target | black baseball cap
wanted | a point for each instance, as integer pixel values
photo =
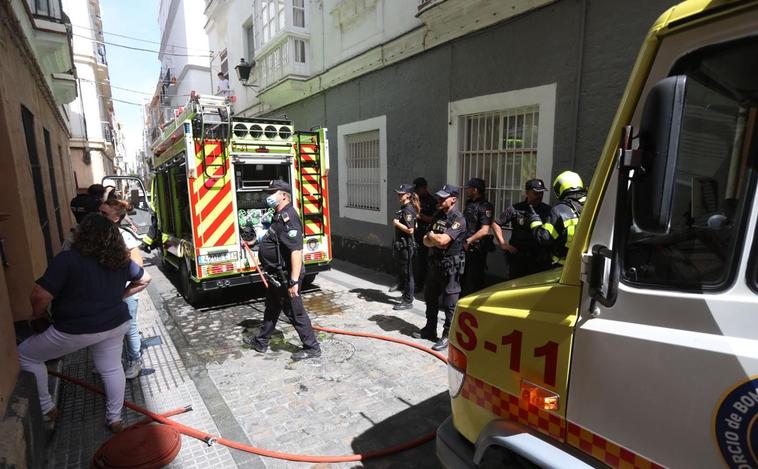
(420, 182)
(536, 185)
(448, 190)
(279, 185)
(476, 183)
(404, 189)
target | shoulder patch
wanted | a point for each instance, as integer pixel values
(408, 217)
(488, 213)
(455, 225)
(292, 233)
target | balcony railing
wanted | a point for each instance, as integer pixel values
(51, 10)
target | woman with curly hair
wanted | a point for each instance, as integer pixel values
(85, 288)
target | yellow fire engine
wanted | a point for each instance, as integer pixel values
(208, 192)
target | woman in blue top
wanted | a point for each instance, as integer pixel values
(85, 287)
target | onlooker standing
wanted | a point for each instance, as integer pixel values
(223, 89)
(478, 241)
(115, 211)
(523, 254)
(404, 246)
(85, 286)
(424, 220)
(87, 202)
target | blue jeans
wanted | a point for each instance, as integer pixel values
(133, 342)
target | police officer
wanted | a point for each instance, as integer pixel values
(281, 257)
(523, 253)
(558, 231)
(404, 246)
(477, 242)
(428, 207)
(446, 264)
(88, 202)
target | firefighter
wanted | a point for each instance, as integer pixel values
(404, 246)
(523, 254)
(446, 265)
(87, 202)
(281, 257)
(558, 231)
(477, 242)
(425, 219)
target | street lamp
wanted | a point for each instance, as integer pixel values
(243, 71)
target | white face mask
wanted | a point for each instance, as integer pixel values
(272, 200)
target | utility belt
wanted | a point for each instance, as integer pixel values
(277, 276)
(450, 265)
(404, 243)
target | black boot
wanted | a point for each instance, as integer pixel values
(426, 332)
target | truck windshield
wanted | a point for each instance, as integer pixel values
(714, 176)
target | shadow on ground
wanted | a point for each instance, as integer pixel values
(374, 295)
(394, 323)
(414, 422)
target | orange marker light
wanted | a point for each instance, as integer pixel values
(538, 396)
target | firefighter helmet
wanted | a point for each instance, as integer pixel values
(567, 181)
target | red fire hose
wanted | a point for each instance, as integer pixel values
(212, 439)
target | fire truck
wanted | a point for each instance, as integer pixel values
(208, 192)
(642, 350)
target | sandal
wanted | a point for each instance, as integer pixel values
(116, 427)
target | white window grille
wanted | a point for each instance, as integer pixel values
(501, 148)
(298, 13)
(299, 51)
(362, 178)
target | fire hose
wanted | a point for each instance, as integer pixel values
(213, 439)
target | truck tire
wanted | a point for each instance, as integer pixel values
(160, 260)
(189, 289)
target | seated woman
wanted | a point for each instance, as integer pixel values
(86, 286)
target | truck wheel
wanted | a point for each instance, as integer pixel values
(160, 260)
(190, 290)
(308, 280)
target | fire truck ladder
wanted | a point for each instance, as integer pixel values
(215, 127)
(310, 173)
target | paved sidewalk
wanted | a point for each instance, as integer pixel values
(163, 385)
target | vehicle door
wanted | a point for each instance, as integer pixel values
(131, 189)
(666, 349)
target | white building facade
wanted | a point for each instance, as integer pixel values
(93, 137)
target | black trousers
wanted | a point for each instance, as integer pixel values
(525, 263)
(474, 274)
(278, 300)
(447, 285)
(422, 263)
(405, 278)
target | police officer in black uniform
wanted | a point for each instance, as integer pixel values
(425, 219)
(404, 246)
(446, 265)
(281, 257)
(558, 232)
(89, 202)
(523, 253)
(477, 242)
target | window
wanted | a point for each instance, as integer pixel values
(362, 148)
(298, 13)
(272, 19)
(224, 61)
(53, 184)
(249, 41)
(39, 188)
(501, 148)
(713, 177)
(362, 163)
(299, 51)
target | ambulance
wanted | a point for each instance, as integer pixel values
(211, 171)
(642, 351)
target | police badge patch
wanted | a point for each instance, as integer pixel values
(488, 213)
(455, 225)
(292, 233)
(408, 217)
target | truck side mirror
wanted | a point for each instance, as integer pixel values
(660, 128)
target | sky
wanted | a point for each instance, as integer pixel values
(131, 69)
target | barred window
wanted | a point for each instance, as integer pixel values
(501, 148)
(362, 164)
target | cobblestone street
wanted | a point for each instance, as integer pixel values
(362, 395)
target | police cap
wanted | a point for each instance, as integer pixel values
(279, 185)
(536, 185)
(404, 189)
(448, 190)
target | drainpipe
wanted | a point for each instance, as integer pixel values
(578, 90)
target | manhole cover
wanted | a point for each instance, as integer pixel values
(336, 350)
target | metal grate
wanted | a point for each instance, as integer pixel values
(501, 148)
(362, 161)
